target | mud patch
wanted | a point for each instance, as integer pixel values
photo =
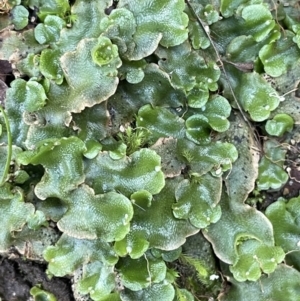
(18, 276)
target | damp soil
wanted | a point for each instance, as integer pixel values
(18, 276)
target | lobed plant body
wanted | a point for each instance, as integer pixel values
(129, 147)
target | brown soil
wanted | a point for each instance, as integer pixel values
(18, 276)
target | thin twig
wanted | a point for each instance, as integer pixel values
(224, 71)
(276, 18)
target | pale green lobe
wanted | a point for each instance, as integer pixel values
(279, 56)
(213, 115)
(142, 198)
(134, 245)
(228, 7)
(137, 274)
(254, 258)
(284, 216)
(238, 224)
(53, 208)
(270, 175)
(160, 121)
(31, 95)
(154, 89)
(21, 176)
(139, 171)
(193, 72)
(14, 213)
(50, 65)
(198, 129)
(270, 171)
(61, 176)
(22, 96)
(211, 14)
(29, 66)
(98, 280)
(198, 96)
(244, 49)
(50, 7)
(296, 27)
(159, 291)
(135, 76)
(197, 34)
(133, 71)
(156, 226)
(259, 19)
(40, 294)
(217, 110)
(88, 15)
(207, 157)
(91, 216)
(18, 44)
(48, 122)
(91, 124)
(37, 220)
(157, 22)
(112, 297)
(79, 65)
(92, 149)
(183, 294)
(280, 124)
(70, 253)
(120, 26)
(19, 17)
(198, 201)
(287, 87)
(167, 256)
(104, 52)
(118, 152)
(280, 285)
(49, 31)
(296, 38)
(257, 96)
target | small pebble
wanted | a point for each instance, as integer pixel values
(286, 191)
